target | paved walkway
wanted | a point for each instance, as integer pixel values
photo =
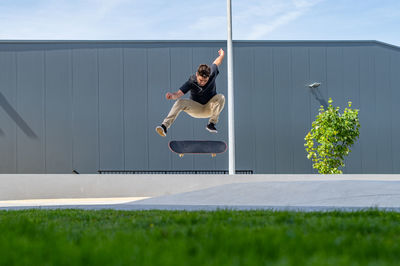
(276, 192)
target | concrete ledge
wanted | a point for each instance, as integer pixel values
(337, 194)
(56, 186)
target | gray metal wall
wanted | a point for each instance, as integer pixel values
(94, 105)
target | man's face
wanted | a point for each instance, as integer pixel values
(201, 80)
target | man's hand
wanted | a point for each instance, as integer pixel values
(220, 58)
(174, 96)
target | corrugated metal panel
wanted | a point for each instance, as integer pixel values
(395, 89)
(30, 105)
(8, 100)
(368, 130)
(245, 117)
(111, 108)
(383, 116)
(159, 82)
(58, 115)
(89, 105)
(85, 110)
(264, 105)
(136, 109)
(283, 98)
(300, 111)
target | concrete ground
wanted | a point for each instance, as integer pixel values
(201, 192)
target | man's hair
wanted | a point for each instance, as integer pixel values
(204, 71)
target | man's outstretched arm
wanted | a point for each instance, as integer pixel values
(220, 58)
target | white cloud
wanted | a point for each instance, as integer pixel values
(207, 23)
(134, 19)
(189, 20)
(88, 19)
(264, 17)
(305, 3)
(104, 7)
(259, 31)
(209, 27)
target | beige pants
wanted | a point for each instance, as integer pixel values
(211, 110)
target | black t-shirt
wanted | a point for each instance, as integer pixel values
(202, 94)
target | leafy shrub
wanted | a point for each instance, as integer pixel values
(330, 138)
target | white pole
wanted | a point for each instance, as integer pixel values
(231, 124)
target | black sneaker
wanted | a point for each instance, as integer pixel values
(211, 127)
(162, 130)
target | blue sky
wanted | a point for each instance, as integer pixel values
(197, 20)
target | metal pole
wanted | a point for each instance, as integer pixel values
(231, 119)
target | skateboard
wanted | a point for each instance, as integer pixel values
(197, 147)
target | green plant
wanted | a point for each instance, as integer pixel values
(330, 138)
(216, 238)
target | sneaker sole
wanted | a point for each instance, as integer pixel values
(212, 131)
(160, 131)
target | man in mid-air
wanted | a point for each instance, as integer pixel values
(204, 101)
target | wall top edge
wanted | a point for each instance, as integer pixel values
(244, 42)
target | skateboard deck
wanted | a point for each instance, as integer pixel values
(183, 147)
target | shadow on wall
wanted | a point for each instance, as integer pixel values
(16, 117)
(314, 89)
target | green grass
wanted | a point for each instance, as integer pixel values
(77, 237)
